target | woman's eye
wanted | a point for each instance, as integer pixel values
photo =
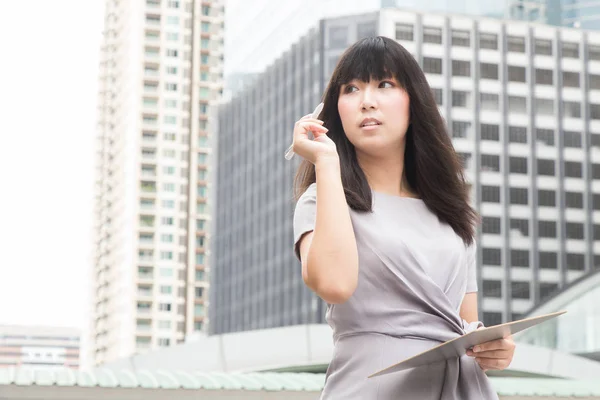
(350, 89)
(386, 84)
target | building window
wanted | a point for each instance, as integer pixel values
(492, 318)
(206, 11)
(338, 37)
(517, 134)
(545, 167)
(198, 292)
(575, 262)
(543, 47)
(548, 260)
(517, 105)
(516, 74)
(573, 169)
(461, 68)
(545, 136)
(490, 194)
(490, 132)
(167, 220)
(572, 139)
(594, 52)
(163, 342)
(404, 32)
(574, 230)
(547, 229)
(491, 225)
(460, 129)
(432, 35)
(521, 225)
(489, 101)
(488, 41)
(205, 27)
(518, 165)
(461, 99)
(516, 44)
(570, 50)
(461, 38)
(544, 107)
(432, 65)
(571, 109)
(595, 111)
(438, 95)
(544, 76)
(570, 79)
(519, 258)
(547, 289)
(164, 307)
(520, 290)
(492, 256)
(488, 71)
(171, 53)
(492, 289)
(547, 198)
(490, 163)
(519, 196)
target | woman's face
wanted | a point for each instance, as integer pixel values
(375, 115)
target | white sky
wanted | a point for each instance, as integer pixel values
(48, 80)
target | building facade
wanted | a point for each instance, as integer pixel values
(160, 75)
(39, 347)
(522, 103)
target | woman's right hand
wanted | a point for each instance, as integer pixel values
(313, 150)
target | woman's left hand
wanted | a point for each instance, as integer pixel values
(496, 354)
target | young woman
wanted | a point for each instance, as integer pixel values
(385, 233)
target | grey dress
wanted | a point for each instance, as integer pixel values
(413, 274)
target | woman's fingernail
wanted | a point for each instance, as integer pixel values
(476, 349)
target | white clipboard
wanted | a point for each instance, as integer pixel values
(458, 347)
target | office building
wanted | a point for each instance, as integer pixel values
(522, 103)
(39, 347)
(160, 75)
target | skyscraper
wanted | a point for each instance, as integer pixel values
(522, 103)
(160, 75)
(573, 13)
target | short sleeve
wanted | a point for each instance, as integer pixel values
(472, 268)
(304, 216)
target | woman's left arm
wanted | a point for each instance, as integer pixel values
(496, 354)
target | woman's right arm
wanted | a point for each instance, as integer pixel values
(329, 255)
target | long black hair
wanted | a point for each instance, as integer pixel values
(431, 166)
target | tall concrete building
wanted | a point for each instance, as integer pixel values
(39, 347)
(522, 103)
(160, 75)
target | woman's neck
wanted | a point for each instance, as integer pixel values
(386, 175)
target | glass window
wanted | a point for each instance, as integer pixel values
(490, 163)
(521, 225)
(488, 41)
(404, 32)
(461, 38)
(544, 76)
(432, 65)
(490, 194)
(545, 167)
(518, 165)
(516, 44)
(570, 50)
(516, 74)
(489, 101)
(490, 132)
(488, 71)
(432, 35)
(519, 196)
(520, 290)
(547, 198)
(492, 256)
(491, 225)
(547, 229)
(461, 68)
(548, 260)
(543, 47)
(492, 289)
